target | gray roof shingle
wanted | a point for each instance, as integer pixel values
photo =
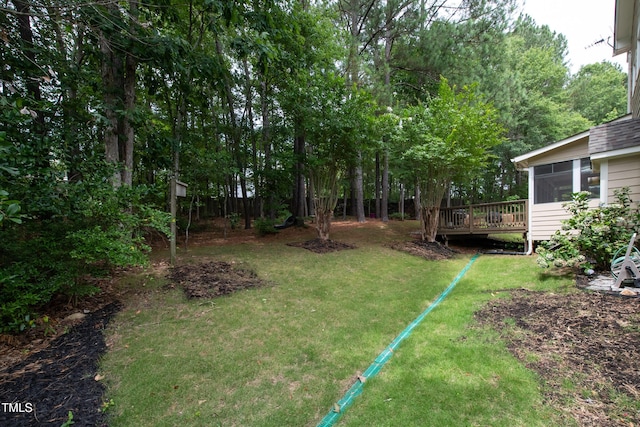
(614, 136)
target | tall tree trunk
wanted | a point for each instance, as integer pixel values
(385, 186)
(111, 78)
(299, 193)
(359, 191)
(377, 196)
(236, 138)
(128, 132)
(268, 183)
(417, 205)
(257, 173)
(32, 83)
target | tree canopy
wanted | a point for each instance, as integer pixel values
(256, 104)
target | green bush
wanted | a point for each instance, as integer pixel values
(89, 229)
(590, 237)
(398, 216)
(264, 226)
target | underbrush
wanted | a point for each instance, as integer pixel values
(92, 230)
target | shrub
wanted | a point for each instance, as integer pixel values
(264, 226)
(93, 229)
(398, 216)
(590, 237)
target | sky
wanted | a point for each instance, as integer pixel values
(583, 22)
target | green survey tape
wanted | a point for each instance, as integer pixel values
(356, 389)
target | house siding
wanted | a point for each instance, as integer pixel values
(546, 220)
(624, 172)
(575, 150)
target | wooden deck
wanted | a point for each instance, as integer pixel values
(484, 219)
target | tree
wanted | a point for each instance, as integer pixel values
(599, 92)
(449, 142)
(341, 120)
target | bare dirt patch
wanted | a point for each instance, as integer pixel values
(585, 346)
(320, 246)
(212, 279)
(427, 250)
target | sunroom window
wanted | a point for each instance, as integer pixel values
(553, 182)
(589, 180)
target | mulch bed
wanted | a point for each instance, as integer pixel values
(428, 250)
(588, 339)
(212, 279)
(60, 378)
(320, 246)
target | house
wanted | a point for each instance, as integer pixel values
(599, 160)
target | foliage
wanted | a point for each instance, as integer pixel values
(590, 237)
(447, 142)
(9, 209)
(342, 122)
(97, 228)
(265, 226)
(243, 95)
(599, 92)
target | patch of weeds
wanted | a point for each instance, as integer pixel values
(107, 405)
(532, 358)
(69, 421)
(509, 321)
(569, 385)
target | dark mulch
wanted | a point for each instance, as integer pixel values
(320, 246)
(428, 250)
(591, 340)
(212, 279)
(59, 378)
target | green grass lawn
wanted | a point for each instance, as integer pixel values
(282, 355)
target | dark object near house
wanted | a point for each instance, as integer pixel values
(291, 220)
(494, 218)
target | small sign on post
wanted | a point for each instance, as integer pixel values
(181, 189)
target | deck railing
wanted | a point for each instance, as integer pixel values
(486, 218)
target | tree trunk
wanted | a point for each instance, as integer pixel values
(323, 223)
(127, 136)
(266, 146)
(299, 195)
(111, 65)
(359, 190)
(429, 222)
(417, 206)
(128, 132)
(401, 207)
(377, 196)
(384, 208)
(257, 211)
(32, 83)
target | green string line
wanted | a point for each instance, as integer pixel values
(356, 389)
